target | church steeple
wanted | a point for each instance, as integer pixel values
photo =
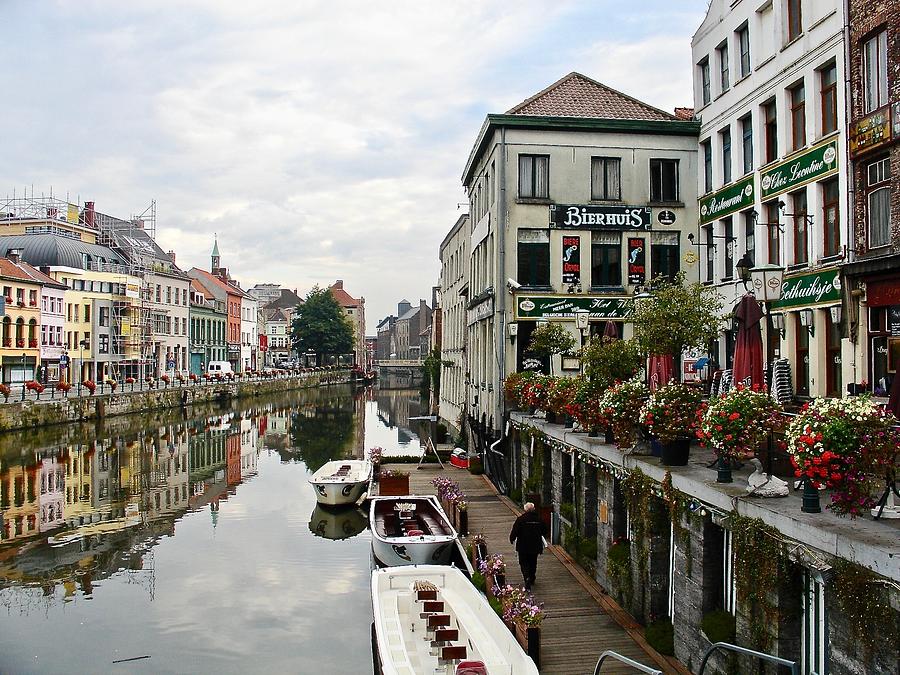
(215, 256)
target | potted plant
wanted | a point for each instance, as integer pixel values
(550, 339)
(112, 384)
(535, 392)
(670, 414)
(525, 615)
(393, 483)
(609, 360)
(165, 379)
(677, 316)
(844, 444)
(514, 385)
(621, 405)
(5, 391)
(735, 423)
(559, 396)
(375, 454)
(63, 386)
(90, 385)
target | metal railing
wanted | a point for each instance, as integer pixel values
(777, 660)
(624, 659)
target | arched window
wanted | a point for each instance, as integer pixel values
(7, 330)
(20, 332)
(32, 333)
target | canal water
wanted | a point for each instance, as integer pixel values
(190, 541)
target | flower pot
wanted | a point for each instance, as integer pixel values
(593, 433)
(676, 452)
(810, 498)
(723, 470)
(656, 448)
(550, 416)
(568, 422)
(530, 639)
(609, 436)
(463, 526)
(393, 486)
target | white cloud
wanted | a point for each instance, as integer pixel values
(319, 140)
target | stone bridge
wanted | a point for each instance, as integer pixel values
(399, 373)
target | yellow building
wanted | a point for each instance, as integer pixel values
(20, 328)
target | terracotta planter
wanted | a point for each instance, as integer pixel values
(393, 486)
(530, 639)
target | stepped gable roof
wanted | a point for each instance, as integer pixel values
(577, 95)
(52, 250)
(25, 272)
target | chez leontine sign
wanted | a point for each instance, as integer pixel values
(565, 306)
(810, 289)
(728, 200)
(792, 173)
(599, 217)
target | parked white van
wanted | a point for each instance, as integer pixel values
(218, 368)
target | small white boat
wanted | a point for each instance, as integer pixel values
(337, 523)
(410, 530)
(431, 619)
(342, 481)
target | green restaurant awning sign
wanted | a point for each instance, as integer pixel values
(565, 306)
(813, 164)
(721, 203)
(810, 289)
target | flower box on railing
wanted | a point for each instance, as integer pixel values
(32, 343)
(393, 484)
(530, 639)
(7, 342)
(20, 342)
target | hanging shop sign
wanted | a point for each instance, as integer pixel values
(636, 261)
(666, 217)
(571, 260)
(565, 307)
(600, 217)
(810, 289)
(730, 199)
(814, 164)
(872, 131)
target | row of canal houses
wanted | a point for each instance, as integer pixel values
(581, 195)
(87, 296)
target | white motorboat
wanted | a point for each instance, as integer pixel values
(342, 481)
(431, 619)
(337, 523)
(411, 530)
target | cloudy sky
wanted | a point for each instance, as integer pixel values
(318, 140)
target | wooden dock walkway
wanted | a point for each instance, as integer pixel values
(580, 621)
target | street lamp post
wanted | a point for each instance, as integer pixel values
(23, 376)
(582, 317)
(82, 344)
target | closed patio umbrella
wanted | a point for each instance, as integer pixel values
(610, 330)
(661, 370)
(748, 358)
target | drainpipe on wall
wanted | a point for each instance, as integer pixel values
(500, 286)
(852, 321)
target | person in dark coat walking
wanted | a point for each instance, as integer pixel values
(528, 535)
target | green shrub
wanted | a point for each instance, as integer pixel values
(567, 511)
(475, 466)
(719, 626)
(661, 636)
(479, 582)
(516, 495)
(497, 607)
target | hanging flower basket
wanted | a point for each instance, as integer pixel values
(670, 415)
(621, 405)
(846, 445)
(736, 423)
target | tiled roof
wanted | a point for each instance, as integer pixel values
(25, 272)
(684, 113)
(213, 282)
(343, 297)
(576, 95)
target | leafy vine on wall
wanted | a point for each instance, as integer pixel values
(866, 608)
(758, 558)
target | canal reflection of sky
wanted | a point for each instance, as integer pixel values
(240, 584)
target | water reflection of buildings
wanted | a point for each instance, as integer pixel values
(396, 406)
(103, 504)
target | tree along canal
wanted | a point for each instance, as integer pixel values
(190, 541)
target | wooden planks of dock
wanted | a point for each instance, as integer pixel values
(580, 621)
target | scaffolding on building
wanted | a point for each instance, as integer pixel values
(131, 322)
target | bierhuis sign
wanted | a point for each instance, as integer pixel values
(600, 217)
(810, 289)
(813, 164)
(728, 200)
(565, 306)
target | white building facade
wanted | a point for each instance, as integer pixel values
(769, 91)
(454, 257)
(249, 333)
(579, 196)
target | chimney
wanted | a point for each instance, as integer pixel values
(45, 269)
(172, 256)
(89, 214)
(339, 283)
(14, 254)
